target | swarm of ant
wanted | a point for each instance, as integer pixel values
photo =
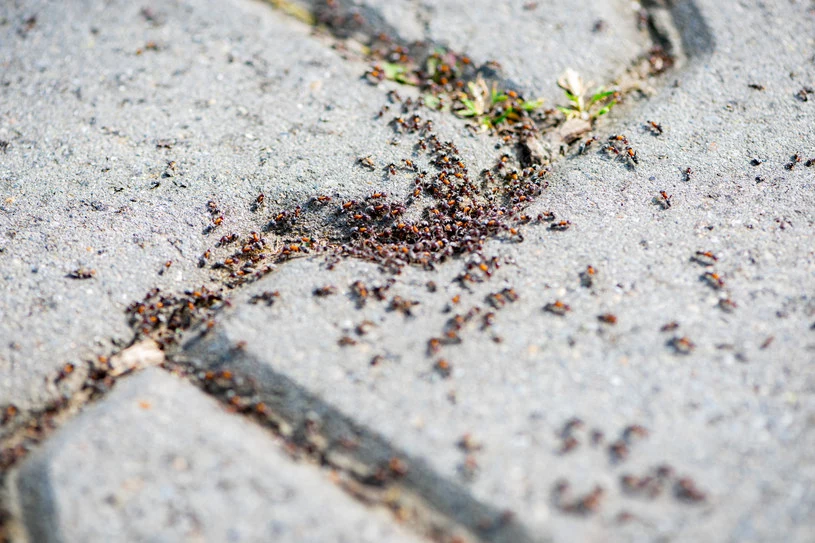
(449, 81)
(448, 212)
(457, 212)
(451, 211)
(619, 148)
(163, 317)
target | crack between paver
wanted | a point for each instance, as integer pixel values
(675, 29)
(679, 27)
(423, 16)
(376, 471)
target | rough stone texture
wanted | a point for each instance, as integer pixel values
(255, 104)
(159, 461)
(736, 414)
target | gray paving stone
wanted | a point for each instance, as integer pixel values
(159, 461)
(735, 414)
(97, 100)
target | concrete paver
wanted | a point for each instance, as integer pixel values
(160, 461)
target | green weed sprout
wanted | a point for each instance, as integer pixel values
(489, 107)
(583, 105)
(399, 73)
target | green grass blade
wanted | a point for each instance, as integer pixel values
(531, 105)
(605, 110)
(503, 116)
(602, 95)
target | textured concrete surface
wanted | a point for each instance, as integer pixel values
(249, 101)
(160, 461)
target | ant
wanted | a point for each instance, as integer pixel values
(803, 94)
(619, 146)
(402, 305)
(226, 240)
(663, 200)
(377, 360)
(583, 505)
(443, 368)
(681, 345)
(557, 308)
(686, 490)
(727, 305)
(82, 273)
(360, 292)
(367, 162)
(375, 74)
(165, 267)
(618, 450)
(268, 296)
(670, 327)
(327, 290)
(705, 258)
(587, 277)
(796, 158)
(655, 128)
(634, 430)
(64, 372)
(560, 226)
(586, 144)
(714, 280)
(607, 318)
(364, 327)
(258, 203)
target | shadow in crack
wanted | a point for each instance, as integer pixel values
(440, 507)
(688, 25)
